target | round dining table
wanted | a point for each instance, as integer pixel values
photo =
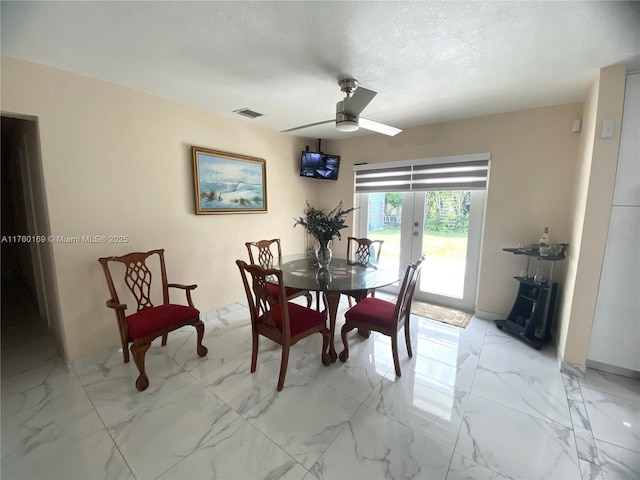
(302, 272)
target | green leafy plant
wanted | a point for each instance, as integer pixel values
(324, 226)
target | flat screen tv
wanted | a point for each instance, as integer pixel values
(319, 165)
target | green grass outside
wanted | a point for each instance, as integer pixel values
(438, 244)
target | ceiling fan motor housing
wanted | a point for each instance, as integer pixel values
(345, 122)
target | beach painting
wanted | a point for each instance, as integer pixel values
(228, 182)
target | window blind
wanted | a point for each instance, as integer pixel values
(462, 172)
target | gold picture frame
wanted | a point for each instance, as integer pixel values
(228, 182)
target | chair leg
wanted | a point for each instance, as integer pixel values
(201, 349)
(326, 358)
(309, 300)
(346, 328)
(283, 366)
(139, 351)
(407, 337)
(350, 302)
(254, 350)
(164, 339)
(124, 341)
(394, 351)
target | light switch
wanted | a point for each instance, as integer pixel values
(607, 128)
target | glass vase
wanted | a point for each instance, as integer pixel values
(323, 253)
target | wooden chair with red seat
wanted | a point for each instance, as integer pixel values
(150, 321)
(385, 317)
(274, 317)
(363, 252)
(268, 254)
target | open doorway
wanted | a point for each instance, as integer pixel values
(28, 296)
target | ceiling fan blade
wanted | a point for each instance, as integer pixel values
(308, 125)
(379, 127)
(355, 104)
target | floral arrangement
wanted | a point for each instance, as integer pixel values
(322, 225)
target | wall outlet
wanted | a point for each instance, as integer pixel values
(607, 128)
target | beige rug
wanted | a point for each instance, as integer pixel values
(457, 318)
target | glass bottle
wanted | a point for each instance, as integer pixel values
(544, 239)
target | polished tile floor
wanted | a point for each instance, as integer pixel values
(473, 403)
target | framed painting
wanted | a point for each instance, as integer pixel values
(228, 183)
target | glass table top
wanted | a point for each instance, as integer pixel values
(301, 271)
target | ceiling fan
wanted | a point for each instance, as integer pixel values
(348, 111)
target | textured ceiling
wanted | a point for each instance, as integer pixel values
(429, 61)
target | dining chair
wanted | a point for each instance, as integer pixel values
(150, 321)
(268, 254)
(385, 317)
(272, 316)
(363, 252)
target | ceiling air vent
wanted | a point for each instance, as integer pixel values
(245, 112)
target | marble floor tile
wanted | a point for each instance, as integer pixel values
(590, 471)
(93, 457)
(115, 395)
(463, 468)
(586, 445)
(238, 451)
(618, 463)
(222, 347)
(234, 383)
(38, 385)
(423, 404)
(157, 436)
(50, 427)
(357, 377)
(618, 385)
(504, 348)
(494, 436)
(521, 390)
(471, 403)
(304, 418)
(31, 353)
(613, 419)
(372, 446)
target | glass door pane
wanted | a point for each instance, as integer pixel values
(444, 226)
(380, 218)
(444, 242)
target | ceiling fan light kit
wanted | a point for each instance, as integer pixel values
(348, 111)
(346, 123)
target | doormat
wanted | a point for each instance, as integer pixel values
(453, 317)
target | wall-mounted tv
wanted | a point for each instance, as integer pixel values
(319, 165)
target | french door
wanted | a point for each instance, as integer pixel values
(445, 226)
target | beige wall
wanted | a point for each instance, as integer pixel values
(592, 196)
(118, 162)
(533, 162)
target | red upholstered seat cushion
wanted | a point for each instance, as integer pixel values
(153, 319)
(373, 311)
(301, 318)
(273, 289)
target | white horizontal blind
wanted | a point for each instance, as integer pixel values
(462, 172)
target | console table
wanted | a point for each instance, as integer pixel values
(531, 316)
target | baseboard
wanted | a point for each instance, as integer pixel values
(488, 315)
(603, 367)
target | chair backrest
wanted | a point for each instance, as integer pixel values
(137, 277)
(405, 297)
(267, 252)
(363, 251)
(262, 303)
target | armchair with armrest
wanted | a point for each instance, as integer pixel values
(149, 321)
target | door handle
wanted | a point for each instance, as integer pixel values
(415, 234)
